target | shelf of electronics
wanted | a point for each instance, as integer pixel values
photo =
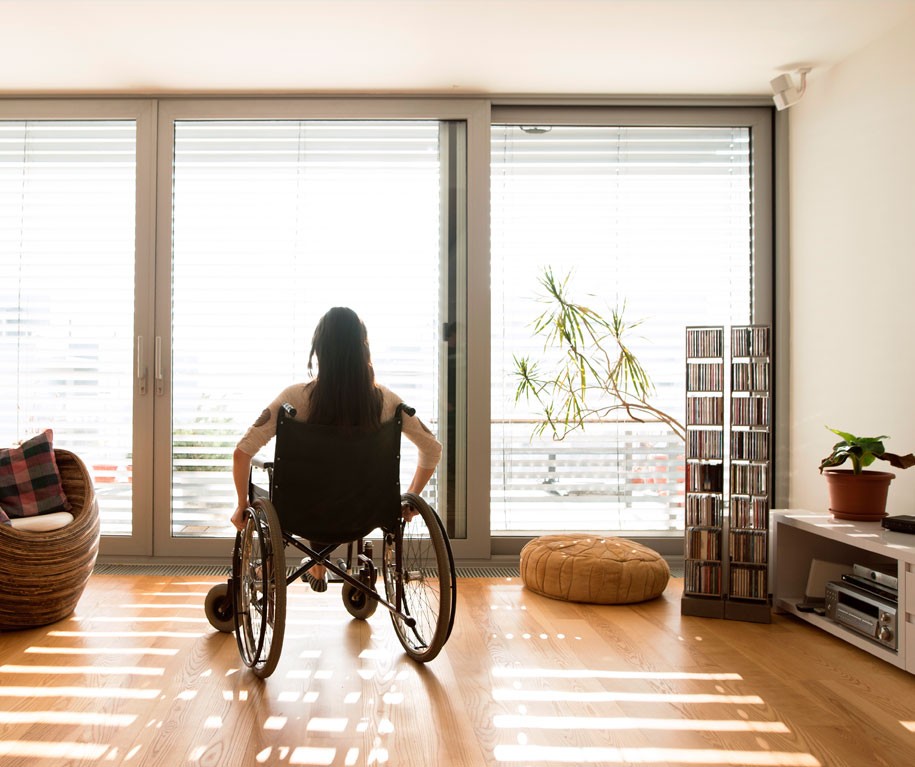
(854, 580)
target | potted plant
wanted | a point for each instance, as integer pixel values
(856, 494)
(597, 377)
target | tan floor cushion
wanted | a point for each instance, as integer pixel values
(580, 567)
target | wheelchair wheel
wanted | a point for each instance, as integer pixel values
(260, 592)
(418, 578)
(219, 609)
(357, 603)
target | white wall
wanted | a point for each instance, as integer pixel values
(852, 256)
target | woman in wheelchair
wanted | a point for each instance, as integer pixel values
(344, 394)
(342, 401)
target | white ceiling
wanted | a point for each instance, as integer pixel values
(563, 47)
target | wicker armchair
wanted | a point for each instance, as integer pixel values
(43, 574)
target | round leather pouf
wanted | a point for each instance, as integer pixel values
(581, 567)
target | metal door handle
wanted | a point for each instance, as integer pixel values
(160, 382)
(141, 367)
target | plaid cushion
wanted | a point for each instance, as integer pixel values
(4, 520)
(29, 479)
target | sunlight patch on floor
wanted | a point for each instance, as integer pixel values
(628, 756)
(506, 694)
(125, 634)
(106, 651)
(78, 692)
(35, 749)
(88, 670)
(507, 721)
(83, 718)
(588, 673)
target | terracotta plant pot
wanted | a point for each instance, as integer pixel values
(859, 497)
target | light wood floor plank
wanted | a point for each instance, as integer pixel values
(138, 677)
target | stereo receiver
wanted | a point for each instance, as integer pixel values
(865, 613)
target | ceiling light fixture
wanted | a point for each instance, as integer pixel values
(784, 90)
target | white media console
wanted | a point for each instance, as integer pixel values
(798, 537)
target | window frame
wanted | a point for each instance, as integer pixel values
(759, 120)
(472, 284)
(153, 240)
(143, 112)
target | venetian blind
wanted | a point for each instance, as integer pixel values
(67, 234)
(274, 223)
(656, 219)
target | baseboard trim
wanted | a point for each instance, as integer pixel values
(217, 570)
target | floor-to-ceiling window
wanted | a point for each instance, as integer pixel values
(68, 255)
(164, 263)
(274, 222)
(275, 213)
(654, 216)
(161, 284)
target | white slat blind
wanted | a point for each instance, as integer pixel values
(274, 223)
(67, 212)
(656, 217)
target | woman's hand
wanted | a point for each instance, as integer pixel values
(238, 517)
(407, 511)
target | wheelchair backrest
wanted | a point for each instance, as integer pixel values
(335, 485)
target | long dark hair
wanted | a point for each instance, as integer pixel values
(344, 392)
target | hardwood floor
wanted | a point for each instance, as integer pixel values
(138, 677)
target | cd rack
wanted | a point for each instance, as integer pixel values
(728, 473)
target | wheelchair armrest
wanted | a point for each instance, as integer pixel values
(255, 490)
(260, 463)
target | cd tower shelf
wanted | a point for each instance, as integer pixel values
(748, 517)
(726, 549)
(704, 523)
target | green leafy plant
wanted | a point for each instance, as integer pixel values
(862, 452)
(598, 375)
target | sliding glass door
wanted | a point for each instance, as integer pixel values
(70, 311)
(661, 215)
(274, 223)
(271, 221)
(163, 265)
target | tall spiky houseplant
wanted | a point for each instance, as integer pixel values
(597, 377)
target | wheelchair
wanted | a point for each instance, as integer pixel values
(336, 487)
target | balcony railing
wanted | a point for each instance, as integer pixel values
(616, 476)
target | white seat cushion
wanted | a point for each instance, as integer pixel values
(41, 523)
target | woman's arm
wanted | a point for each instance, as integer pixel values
(420, 477)
(241, 472)
(430, 452)
(430, 449)
(258, 435)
